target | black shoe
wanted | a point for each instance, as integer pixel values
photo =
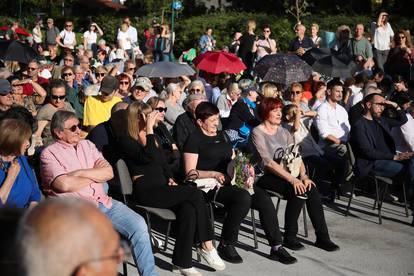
(293, 244)
(326, 244)
(281, 255)
(228, 253)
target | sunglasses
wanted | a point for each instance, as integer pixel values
(295, 92)
(124, 82)
(54, 97)
(31, 68)
(74, 127)
(68, 59)
(100, 74)
(161, 109)
(195, 90)
(401, 36)
(266, 31)
(131, 68)
(68, 25)
(67, 75)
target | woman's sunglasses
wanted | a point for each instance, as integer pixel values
(54, 97)
(67, 74)
(161, 109)
(74, 127)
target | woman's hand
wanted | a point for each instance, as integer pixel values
(171, 182)
(308, 184)
(151, 119)
(221, 178)
(298, 186)
(14, 169)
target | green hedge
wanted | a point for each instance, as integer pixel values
(188, 30)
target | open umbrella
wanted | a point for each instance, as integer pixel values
(165, 69)
(219, 62)
(282, 68)
(16, 51)
(19, 31)
(312, 55)
(335, 65)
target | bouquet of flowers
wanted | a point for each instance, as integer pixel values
(244, 172)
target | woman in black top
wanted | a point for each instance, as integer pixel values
(247, 42)
(209, 152)
(155, 187)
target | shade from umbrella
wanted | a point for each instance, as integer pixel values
(219, 62)
(165, 69)
(336, 66)
(283, 69)
(16, 51)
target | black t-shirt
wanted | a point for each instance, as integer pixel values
(214, 152)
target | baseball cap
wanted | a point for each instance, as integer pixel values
(5, 87)
(143, 82)
(109, 84)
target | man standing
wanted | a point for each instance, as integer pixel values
(51, 32)
(98, 108)
(72, 167)
(362, 49)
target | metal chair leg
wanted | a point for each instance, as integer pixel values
(350, 197)
(380, 200)
(376, 194)
(212, 220)
(167, 234)
(405, 199)
(254, 229)
(305, 222)
(277, 205)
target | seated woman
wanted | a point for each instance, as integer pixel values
(319, 163)
(168, 144)
(172, 102)
(18, 185)
(208, 152)
(155, 187)
(269, 139)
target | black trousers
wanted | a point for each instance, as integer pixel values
(190, 208)
(262, 202)
(294, 206)
(236, 202)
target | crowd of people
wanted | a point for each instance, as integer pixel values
(68, 116)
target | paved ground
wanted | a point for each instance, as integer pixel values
(366, 247)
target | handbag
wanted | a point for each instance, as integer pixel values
(204, 184)
(292, 160)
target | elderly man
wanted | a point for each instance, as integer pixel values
(98, 108)
(67, 236)
(6, 98)
(75, 168)
(362, 48)
(33, 74)
(301, 43)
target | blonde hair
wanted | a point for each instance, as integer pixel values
(136, 113)
(269, 90)
(251, 25)
(315, 25)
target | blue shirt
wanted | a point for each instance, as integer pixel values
(305, 43)
(25, 188)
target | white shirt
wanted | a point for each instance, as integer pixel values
(37, 35)
(332, 121)
(133, 34)
(304, 139)
(124, 40)
(90, 37)
(382, 36)
(408, 132)
(68, 38)
(355, 97)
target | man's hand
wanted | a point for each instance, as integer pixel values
(403, 156)
(171, 182)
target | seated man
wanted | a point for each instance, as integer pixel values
(372, 141)
(74, 167)
(98, 108)
(301, 43)
(65, 236)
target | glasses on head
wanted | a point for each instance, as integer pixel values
(55, 97)
(161, 109)
(31, 68)
(100, 74)
(297, 92)
(74, 127)
(66, 75)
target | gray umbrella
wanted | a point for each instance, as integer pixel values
(165, 69)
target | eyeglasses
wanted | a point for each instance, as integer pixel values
(17, 85)
(295, 92)
(100, 74)
(123, 252)
(131, 68)
(68, 59)
(195, 90)
(161, 109)
(31, 68)
(124, 82)
(74, 127)
(55, 97)
(68, 25)
(401, 36)
(66, 75)
(266, 31)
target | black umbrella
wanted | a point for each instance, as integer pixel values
(283, 69)
(16, 51)
(312, 55)
(165, 69)
(341, 66)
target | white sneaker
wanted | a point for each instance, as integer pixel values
(212, 258)
(186, 271)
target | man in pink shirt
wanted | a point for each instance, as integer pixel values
(74, 167)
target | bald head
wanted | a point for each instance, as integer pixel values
(61, 236)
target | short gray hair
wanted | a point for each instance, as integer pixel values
(197, 83)
(58, 121)
(171, 88)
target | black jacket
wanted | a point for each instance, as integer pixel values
(365, 142)
(239, 114)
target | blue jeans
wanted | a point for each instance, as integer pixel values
(387, 168)
(132, 226)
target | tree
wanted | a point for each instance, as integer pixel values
(297, 8)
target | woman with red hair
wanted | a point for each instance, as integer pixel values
(124, 85)
(270, 141)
